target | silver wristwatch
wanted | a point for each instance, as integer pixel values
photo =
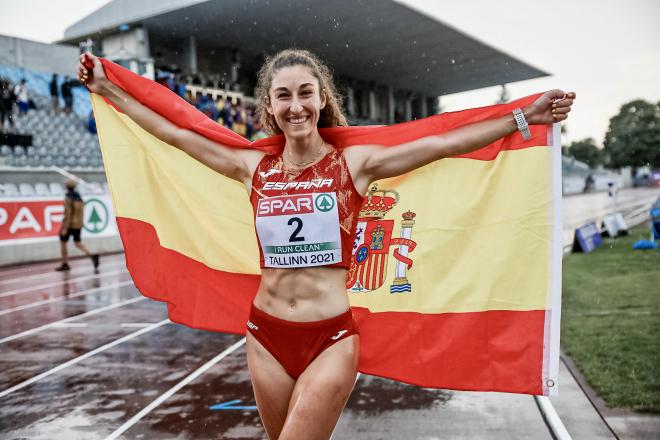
(523, 128)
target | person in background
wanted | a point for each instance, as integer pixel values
(181, 88)
(91, 123)
(207, 106)
(227, 115)
(67, 94)
(240, 119)
(249, 124)
(258, 129)
(6, 104)
(22, 99)
(72, 223)
(54, 94)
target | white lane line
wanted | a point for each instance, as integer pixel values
(52, 273)
(58, 283)
(552, 419)
(61, 298)
(35, 267)
(71, 318)
(82, 358)
(70, 324)
(169, 393)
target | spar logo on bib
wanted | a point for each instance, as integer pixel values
(324, 202)
(286, 205)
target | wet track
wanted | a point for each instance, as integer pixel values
(84, 356)
(101, 354)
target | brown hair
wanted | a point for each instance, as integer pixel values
(331, 115)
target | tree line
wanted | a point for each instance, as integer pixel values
(632, 139)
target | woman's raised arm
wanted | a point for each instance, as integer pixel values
(373, 162)
(237, 164)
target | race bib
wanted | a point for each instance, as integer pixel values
(300, 230)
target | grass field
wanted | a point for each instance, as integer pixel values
(611, 321)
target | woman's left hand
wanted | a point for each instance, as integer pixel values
(552, 106)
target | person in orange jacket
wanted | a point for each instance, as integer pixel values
(71, 226)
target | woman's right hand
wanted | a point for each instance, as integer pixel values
(94, 79)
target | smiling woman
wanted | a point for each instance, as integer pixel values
(320, 79)
(303, 344)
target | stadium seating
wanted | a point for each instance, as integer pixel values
(58, 139)
(10, 190)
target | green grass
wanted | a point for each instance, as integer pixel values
(611, 321)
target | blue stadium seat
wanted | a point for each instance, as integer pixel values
(10, 190)
(26, 190)
(41, 189)
(56, 189)
(20, 161)
(60, 161)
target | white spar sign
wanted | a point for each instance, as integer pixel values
(33, 218)
(25, 218)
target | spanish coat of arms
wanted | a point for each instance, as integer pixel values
(373, 239)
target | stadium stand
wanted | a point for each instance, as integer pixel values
(57, 139)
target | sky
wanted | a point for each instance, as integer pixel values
(607, 51)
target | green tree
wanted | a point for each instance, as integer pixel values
(94, 219)
(633, 137)
(586, 151)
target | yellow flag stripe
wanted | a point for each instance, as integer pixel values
(482, 228)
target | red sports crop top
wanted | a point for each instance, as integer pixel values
(305, 217)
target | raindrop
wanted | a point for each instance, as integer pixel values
(453, 61)
(346, 44)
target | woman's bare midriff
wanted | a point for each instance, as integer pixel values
(303, 295)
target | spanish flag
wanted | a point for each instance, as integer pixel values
(456, 274)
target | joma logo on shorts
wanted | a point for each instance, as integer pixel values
(306, 184)
(252, 326)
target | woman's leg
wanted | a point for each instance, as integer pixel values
(321, 392)
(272, 386)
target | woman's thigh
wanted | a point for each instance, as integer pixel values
(321, 392)
(272, 386)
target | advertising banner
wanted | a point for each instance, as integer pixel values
(30, 219)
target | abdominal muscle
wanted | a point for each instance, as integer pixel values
(303, 295)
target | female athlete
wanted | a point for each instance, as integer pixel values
(302, 343)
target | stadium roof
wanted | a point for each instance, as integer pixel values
(381, 41)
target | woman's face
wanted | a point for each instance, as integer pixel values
(295, 101)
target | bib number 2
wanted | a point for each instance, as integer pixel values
(299, 230)
(294, 236)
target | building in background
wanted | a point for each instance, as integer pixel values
(390, 61)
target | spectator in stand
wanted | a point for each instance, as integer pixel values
(6, 104)
(227, 115)
(181, 88)
(54, 94)
(91, 123)
(240, 119)
(207, 106)
(22, 99)
(67, 94)
(249, 125)
(259, 132)
(72, 223)
(219, 105)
